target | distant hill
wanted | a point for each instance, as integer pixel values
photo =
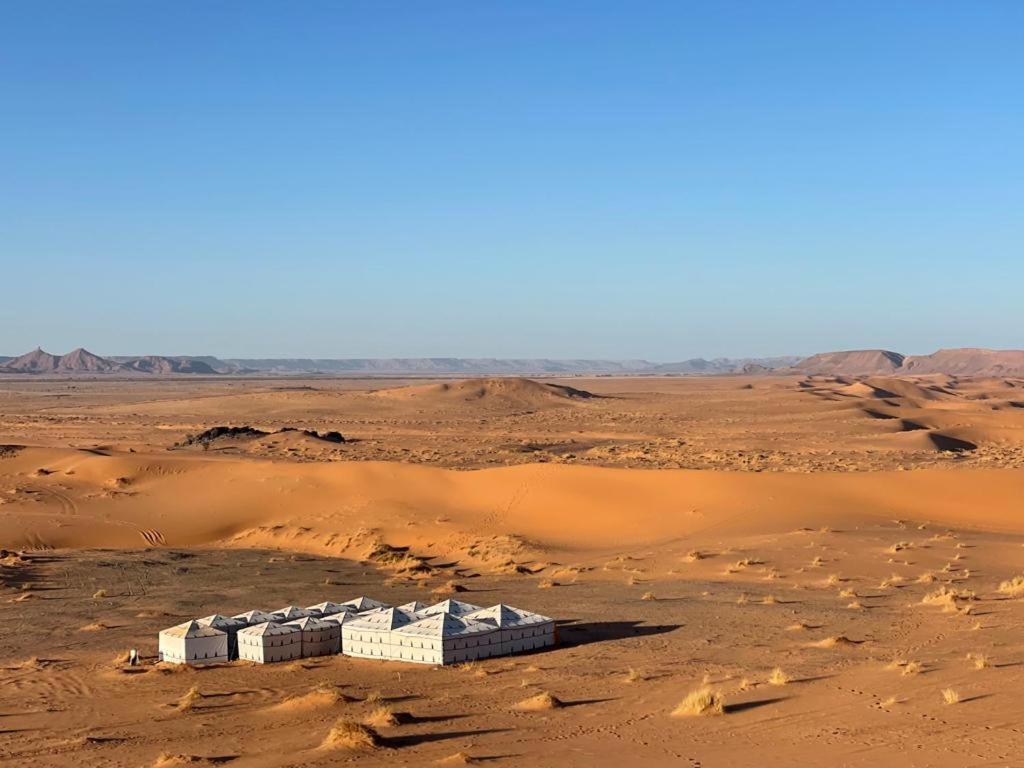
(857, 362)
(968, 362)
(76, 361)
(950, 362)
(164, 365)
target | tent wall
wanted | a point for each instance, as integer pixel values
(193, 650)
(265, 649)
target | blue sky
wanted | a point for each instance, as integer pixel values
(561, 179)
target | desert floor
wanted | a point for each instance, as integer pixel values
(828, 555)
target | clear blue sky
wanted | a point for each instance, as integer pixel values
(557, 178)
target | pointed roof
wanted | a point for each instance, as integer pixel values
(363, 603)
(386, 618)
(269, 628)
(253, 617)
(339, 619)
(415, 606)
(327, 608)
(454, 607)
(445, 625)
(191, 629)
(221, 622)
(290, 612)
(507, 616)
(311, 622)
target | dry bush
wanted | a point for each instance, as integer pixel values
(768, 600)
(926, 578)
(912, 668)
(742, 599)
(188, 702)
(1013, 588)
(348, 734)
(99, 594)
(778, 677)
(538, 702)
(632, 676)
(856, 605)
(888, 702)
(648, 596)
(949, 696)
(547, 584)
(979, 660)
(381, 717)
(694, 555)
(848, 592)
(701, 702)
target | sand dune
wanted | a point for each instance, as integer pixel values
(196, 501)
(517, 392)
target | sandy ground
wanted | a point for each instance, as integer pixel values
(869, 576)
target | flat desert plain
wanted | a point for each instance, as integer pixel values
(826, 564)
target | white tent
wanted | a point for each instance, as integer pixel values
(519, 630)
(290, 613)
(319, 637)
(327, 608)
(253, 617)
(369, 634)
(267, 642)
(227, 624)
(454, 607)
(442, 638)
(361, 604)
(192, 643)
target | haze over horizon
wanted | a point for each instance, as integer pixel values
(592, 180)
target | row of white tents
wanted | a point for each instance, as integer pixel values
(444, 633)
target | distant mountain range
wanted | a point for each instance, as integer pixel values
(865, 362)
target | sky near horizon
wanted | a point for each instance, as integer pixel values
(657, 180)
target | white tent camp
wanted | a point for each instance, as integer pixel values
(362, 603)
(319, 637)
(327, 608)
(519, 630)
(368, 635)
(192, 643)
(253, 617)
(268, 642)
(442, 638)
(228, 625)
(444, 633)
(290, 613)
(454, 607)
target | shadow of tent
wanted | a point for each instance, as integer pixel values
(602, 631)
(743, 706)
(413, 740)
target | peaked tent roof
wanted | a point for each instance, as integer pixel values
(327, 607)
(454, 607)
(220, 622)
(415, 606)
(290, 612)
(445, 625)
(269, 628)
(191, 629)
(386, 618)
(253, 617)
(363, 603)
(507, 616)
(311, 622)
